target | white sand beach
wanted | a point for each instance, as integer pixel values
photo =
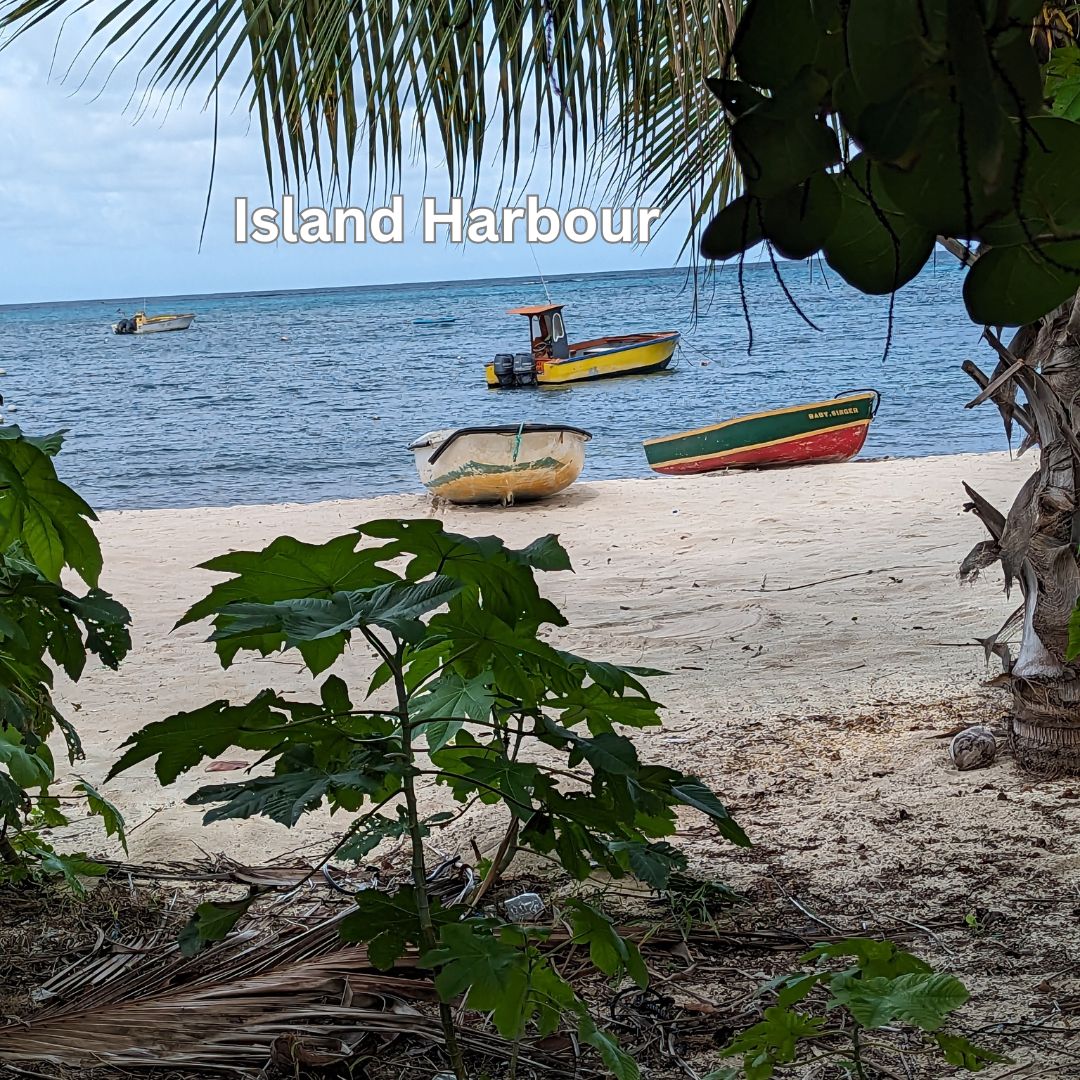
(766, 595)
(820, 652)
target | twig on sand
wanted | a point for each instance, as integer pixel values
(829, 580)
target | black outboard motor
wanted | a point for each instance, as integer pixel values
(524, 369)
(504, 369)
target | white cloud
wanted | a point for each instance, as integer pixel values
(96, 203)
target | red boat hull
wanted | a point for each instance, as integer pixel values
(820, 448)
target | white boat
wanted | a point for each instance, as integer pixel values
(152, 324)
(506, 464)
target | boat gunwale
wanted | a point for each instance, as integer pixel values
(656, 337)
(500, 429)
(762, 415)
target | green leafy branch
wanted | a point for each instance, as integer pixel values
(883, 987)
(44, 529)
(479, 703)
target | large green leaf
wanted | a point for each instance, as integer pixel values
(1049, 203)
(922, 999)
(693, 792)
(799, 221)
(396, 606)
(212, 921)
(872, 246)
(44, 514)
(781, 142)
(182, 740)
(1011, 286)
(734, 230)
(776, 39)
(389, 923)
(610, 952)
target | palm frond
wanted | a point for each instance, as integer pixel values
(604, 96)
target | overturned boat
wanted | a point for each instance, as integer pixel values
(503, 464)
(554, 361)
(816, 433)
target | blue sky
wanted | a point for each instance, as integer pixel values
(94, 203)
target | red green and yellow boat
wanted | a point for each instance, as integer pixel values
(818, 433)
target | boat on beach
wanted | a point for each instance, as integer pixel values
(816, 433)
(502, 464)
(152, 324)
(554, 361)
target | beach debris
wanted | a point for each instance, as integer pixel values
(526, 907)
(973, 748)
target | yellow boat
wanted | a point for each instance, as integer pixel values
(503, 464)
(554, 361)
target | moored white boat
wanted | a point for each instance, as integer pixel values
(152, 324)
(502, 464)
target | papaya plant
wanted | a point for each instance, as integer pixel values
(882, 986)
(468, 695)
(45, 529)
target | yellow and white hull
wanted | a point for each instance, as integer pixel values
(516, 463)
(603, 359)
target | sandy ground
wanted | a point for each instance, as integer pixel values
(819, 645)
(768, 596)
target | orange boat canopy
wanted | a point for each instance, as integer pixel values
(538, 309)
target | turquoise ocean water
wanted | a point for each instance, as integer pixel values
(301, 396)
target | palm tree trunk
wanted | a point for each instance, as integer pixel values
(1037, 542)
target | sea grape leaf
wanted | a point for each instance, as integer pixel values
(800, 220)
(935, 191)
(1011, 286)
(781, 142)
(733, 230)
(608, 951)
(212, 921)
(924, 999)
(886, 47)
(872, 246)
(1049, 202)
(775, 40)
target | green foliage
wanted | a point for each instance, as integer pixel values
(883, 987)
(457, 625)
(947, 130)
(211, 922)
(44, 528)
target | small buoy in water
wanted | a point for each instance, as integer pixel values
(284, 338)
(13, 408)
(973, 748)
(2, 371)
(376, 418)
(705, 363)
